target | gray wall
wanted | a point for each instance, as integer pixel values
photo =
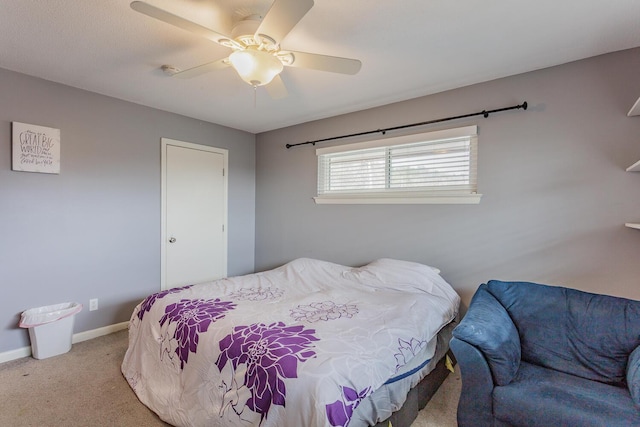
(556, 194)
(94, 230)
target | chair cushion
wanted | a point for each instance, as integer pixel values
(571, 331)
(543, 397)
(633, 375)
(488, 327)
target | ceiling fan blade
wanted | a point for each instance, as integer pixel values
(276, 89)
(185, 24)
(332, 64)
(282, 17)
(202, 69)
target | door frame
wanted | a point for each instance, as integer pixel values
(165, 142)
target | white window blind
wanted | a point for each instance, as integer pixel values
(434, 167)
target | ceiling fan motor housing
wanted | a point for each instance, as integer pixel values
(245, 30)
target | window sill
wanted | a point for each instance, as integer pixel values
(468, 199)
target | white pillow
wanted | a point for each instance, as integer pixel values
(394, 274)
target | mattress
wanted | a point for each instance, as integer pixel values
(305, 344)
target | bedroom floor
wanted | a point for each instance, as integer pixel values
(85, 387)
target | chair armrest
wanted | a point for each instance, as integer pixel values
(488, 327)
(475, 408)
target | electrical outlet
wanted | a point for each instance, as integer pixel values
(93, 304)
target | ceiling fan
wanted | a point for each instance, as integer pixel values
(257, 56)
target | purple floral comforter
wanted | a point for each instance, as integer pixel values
(300, 345)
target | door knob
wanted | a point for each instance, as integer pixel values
(172, 240)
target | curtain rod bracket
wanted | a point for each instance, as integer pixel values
(484, 113)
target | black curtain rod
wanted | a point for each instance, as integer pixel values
(484, 113)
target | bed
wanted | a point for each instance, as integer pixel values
(310, 343)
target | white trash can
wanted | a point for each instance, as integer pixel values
(50, 328)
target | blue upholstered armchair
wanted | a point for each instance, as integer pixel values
(537, 355)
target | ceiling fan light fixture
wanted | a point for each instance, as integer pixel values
(255, 67)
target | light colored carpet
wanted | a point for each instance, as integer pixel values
(85, 388)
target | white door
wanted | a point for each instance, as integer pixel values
(194, 238)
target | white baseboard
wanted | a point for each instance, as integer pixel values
(95, 333)
(79, 337)
(15, 354)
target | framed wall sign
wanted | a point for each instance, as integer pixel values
(35, 148)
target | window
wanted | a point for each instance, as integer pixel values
(434, 167)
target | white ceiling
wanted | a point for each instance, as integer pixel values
(408, 48)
